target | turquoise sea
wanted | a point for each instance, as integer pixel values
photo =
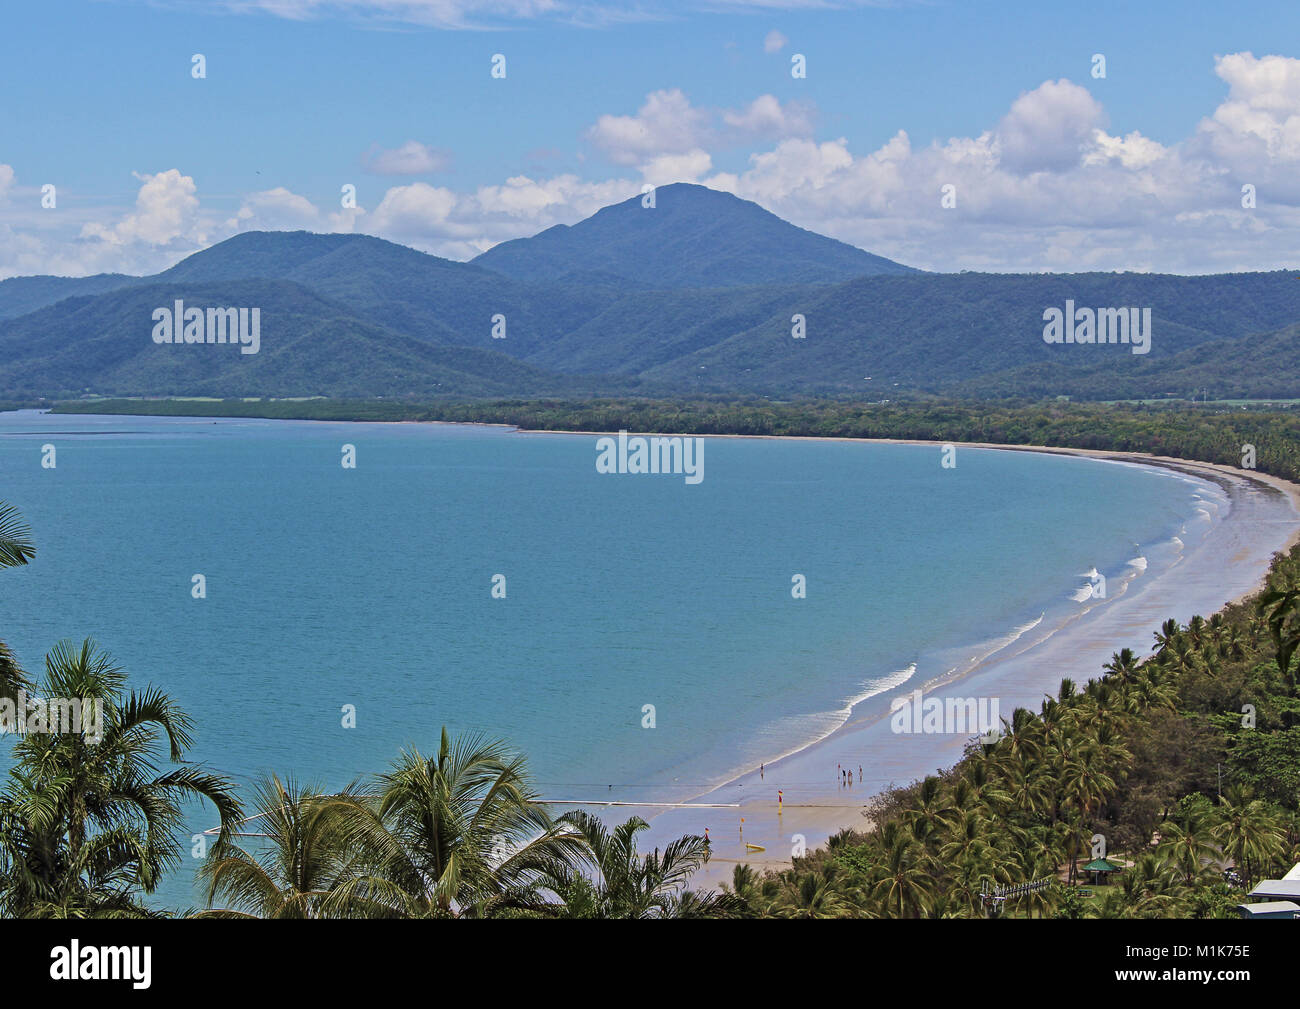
(371, 586)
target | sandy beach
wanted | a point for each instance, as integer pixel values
(1228, 564)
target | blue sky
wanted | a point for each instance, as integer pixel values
(301, 98)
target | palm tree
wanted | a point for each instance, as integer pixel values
(902, 884)
(1249, 835)
(1186, 847)
(814, 894)
(1149, 888)
(929, 809)
(457, 834)
(1278, 606)
(303, 857)
(87, 821)
(619, 882)
(1165, 637)
(16, 549)
(1122, 665)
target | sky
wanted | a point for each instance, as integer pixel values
(1053, 166)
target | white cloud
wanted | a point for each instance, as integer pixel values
(1255, 133)
(433, 13)
(669, 168)
(1046, 186)
(413, 210)
(766, 118)
(275, 209)
(411, 158)
(774, 42)
(1048, 128)
(666, 123)
(166, 210)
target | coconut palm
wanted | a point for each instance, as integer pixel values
(1186, 847)
(88, 824)
(814, 894)
(301, 856)
(1122, 665)
(456, 834)
(1249, 835)
(1279, 607)
(16, 549)
(617, 881)
(903, 885)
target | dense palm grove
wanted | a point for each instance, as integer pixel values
(1186, 763)
(1136, 755)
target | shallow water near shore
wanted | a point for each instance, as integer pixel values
(371, 587)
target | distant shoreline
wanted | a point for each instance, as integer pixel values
(831, 812)
(1186, 466)
(823, 812)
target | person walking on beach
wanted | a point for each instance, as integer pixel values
(761, 775)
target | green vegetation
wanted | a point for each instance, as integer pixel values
(1206, 434)
(1137, 755)
(696, 237)
(88, 824)
(16, 548)
(698, 297)
(1188, 762)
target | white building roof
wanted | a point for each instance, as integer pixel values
(1268, 907)
(1277, 889)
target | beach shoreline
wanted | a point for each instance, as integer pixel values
(742, 809)
(737, 817)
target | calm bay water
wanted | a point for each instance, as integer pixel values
(371, 587)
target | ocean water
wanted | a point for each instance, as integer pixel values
(372, 587)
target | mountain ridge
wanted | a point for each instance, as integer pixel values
(357, 315)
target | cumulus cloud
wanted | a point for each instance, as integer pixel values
(774, 42)
(1048, 187)
(1045, 186)
(411, 158)
(668, 168)
(1048, 128)
(767, 119)
(667, 124)
(280, 209)
(413, 210)
(166, 210)
(1255, 132)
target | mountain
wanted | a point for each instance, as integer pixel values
(943, 333)
(20, 295)
(309, 347)
(692, 237)
(352, 315)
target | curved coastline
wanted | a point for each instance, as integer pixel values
(1263, 518)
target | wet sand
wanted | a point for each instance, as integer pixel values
(1228, 564)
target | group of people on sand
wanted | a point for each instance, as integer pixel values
(846, 774)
